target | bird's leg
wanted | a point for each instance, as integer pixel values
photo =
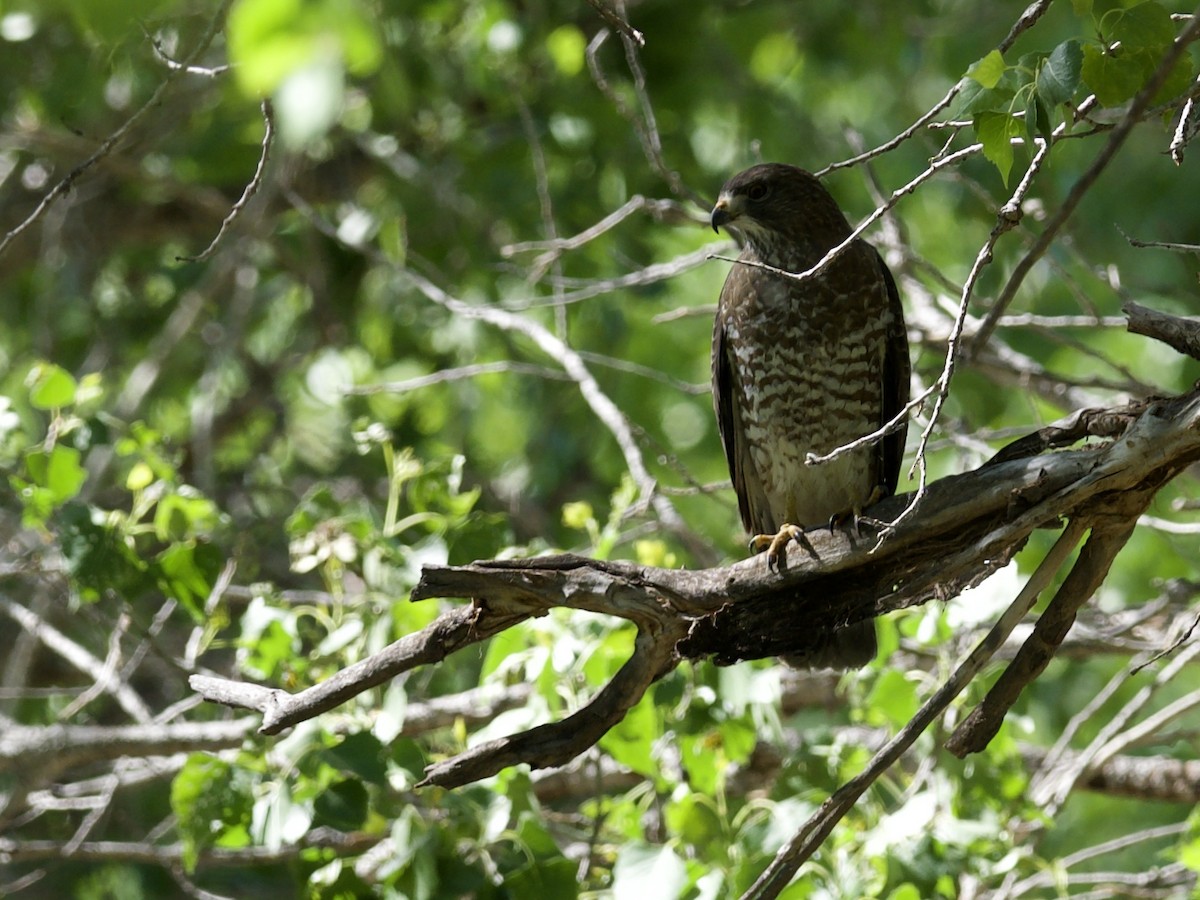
(774, 543)
(854, 517)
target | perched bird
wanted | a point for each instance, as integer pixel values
(804, 367)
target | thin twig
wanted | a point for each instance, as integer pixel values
(250, 190)
(1159, 245)
(1133, 115)
(119, 135)
(609, 15)
(1026, 21)
(811, 835)
(457, 374)
(1006, 219)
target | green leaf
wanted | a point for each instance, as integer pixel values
(97, 555)
(272, 651)
(1179, 80)
(360, 754)
(208, 800)
(996, 131)
(645, 871)
(973, 99)
(578, 514)
(1113, 79)
(774, 57)
(694, 819)
(893, 700)
(631, 741)
(1147, 26)
(342, 806)
(1037, 119)
(58, 470)
(187, 572)
(544, 878)
(272, 39)
(989, 70)
(184, 514)
(140, 477)
(1058, 77)
(50, 386)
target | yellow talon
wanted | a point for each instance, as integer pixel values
(775, 543)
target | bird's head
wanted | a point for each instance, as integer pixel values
(772, 200)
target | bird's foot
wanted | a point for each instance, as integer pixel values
(774, 544)
(853, 517)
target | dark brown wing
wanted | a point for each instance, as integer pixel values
(752, 501)
(897, 371)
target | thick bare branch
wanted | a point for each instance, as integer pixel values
(1109, 534)
(1180, 333)
(967, 527)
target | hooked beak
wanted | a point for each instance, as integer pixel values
(727, 209)
(720, 215)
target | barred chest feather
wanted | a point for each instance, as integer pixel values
(808, 359)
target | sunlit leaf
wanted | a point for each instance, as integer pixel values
(642, 870)
(995, 132)
(50, 386)
(988, 71)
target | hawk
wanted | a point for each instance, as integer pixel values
(803, 367)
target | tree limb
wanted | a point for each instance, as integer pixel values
(967, 527)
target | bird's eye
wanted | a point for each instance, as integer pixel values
(757, 191)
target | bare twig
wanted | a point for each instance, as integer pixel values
(609, 15)
(250, 190)
(1109, 535)
(644, 125)
(658, 209)
(1159, 245)
(651, 274)
(110, 143)
(79, 657)
(1116, 138)
(24, 747)
(810, 836)
(1185, 129)
(1051, 786)
(1050, 879)
(281, 710)
(1026, 21)
(457, 374)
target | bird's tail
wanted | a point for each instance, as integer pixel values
(843, 648)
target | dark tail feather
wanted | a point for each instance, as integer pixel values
(845, 648)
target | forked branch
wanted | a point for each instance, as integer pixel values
(966, 527)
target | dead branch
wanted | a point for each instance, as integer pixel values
(964, 528)
(1181, 333)
(1109, 535)
(57, 747)
(457, 628)
(967, 527)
